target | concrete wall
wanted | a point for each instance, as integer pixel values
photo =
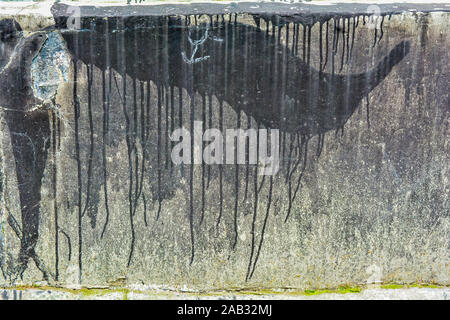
(90, 195)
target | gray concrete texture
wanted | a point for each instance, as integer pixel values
(90, 195)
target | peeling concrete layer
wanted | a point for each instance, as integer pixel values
(50, 67)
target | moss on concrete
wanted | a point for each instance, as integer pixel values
(89, 292)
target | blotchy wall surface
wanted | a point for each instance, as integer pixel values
(90, 194)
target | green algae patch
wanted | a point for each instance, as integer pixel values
(99, 292)
(341, 290)
(392, 286)
(123, 293)
(84, 292)
(410, 285)
(283, 291)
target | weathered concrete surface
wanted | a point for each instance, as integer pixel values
(367, 200)
(142, 293)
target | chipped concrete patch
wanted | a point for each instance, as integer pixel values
(32, 16)
(50, 68)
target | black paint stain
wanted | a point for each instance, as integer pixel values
(106, 99)
(312, 101)
(30, 134)
(159, 60)
(55, 190)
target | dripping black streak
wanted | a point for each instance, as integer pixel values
(279, 90)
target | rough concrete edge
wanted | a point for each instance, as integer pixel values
(34, 16)
(248, 7)
(110, 8)
(22, 13)
(241, 293)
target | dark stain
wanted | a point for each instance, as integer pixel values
(29, 129)
(278, 90)
(273, 101)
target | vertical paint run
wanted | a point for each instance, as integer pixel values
(229, 45)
